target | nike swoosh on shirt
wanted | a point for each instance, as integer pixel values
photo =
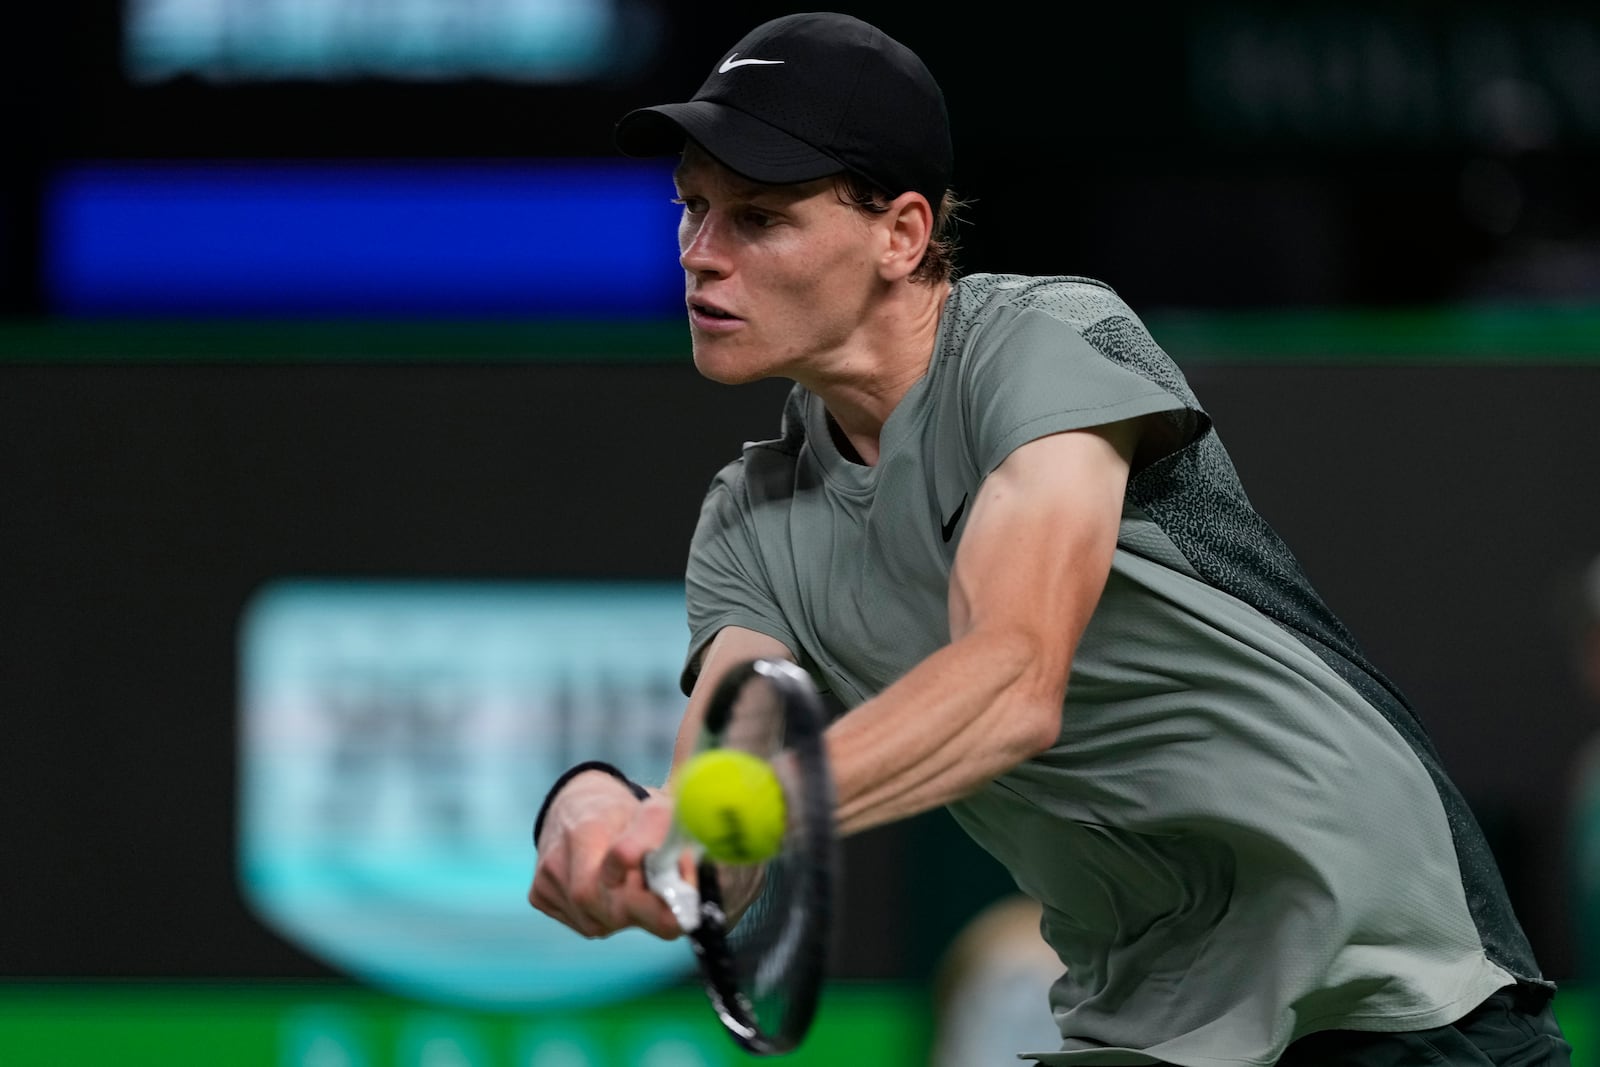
(729, 63)
(949, 528)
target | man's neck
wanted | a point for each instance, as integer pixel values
(868, 385)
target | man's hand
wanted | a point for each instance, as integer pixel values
(591, 850)
(596, 833)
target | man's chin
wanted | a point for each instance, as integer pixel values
(722, 369)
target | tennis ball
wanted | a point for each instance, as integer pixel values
(732, 803)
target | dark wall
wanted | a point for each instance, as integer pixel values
(1437, 508)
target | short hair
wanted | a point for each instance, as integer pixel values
(938, 263)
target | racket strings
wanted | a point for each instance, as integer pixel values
(777, 948)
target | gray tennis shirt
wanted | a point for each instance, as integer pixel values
(1243, 835)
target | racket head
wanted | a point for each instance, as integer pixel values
(763, 969)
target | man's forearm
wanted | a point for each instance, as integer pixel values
(966, 714)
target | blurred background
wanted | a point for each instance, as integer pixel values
(349, 452)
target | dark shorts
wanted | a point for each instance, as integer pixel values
(1514, 1028)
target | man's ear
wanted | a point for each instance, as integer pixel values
(909, 227)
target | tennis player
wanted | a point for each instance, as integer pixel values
(999, 526)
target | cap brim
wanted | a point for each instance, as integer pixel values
(748, 146)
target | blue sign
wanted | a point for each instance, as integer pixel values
(571, 240)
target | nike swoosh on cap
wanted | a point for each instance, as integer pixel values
(729, 63)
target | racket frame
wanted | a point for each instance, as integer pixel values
(700, 911)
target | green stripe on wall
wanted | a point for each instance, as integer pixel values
(234, 341)
(286, 1024)
(1489, 335)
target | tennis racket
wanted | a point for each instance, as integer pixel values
(759, 932)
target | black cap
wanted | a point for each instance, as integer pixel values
(805, 96)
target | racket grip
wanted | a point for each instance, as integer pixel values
(663, 876)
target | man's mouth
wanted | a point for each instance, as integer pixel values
(711, 312)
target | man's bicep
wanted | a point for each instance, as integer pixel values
(1037, 549)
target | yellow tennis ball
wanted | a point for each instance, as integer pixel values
(732, 803)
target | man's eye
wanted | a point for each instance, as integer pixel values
(759, 219)
(692, 204)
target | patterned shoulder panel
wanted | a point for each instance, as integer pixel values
(1079, 302)
(1092, 308)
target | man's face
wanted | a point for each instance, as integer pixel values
(778, 278)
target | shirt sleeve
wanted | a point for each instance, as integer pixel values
(1029, 374)
(726, 583)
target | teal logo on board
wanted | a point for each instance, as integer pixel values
(396, 740)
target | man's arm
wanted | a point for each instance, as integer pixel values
(1032, 563)
(731, 646)
(1030, 569)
